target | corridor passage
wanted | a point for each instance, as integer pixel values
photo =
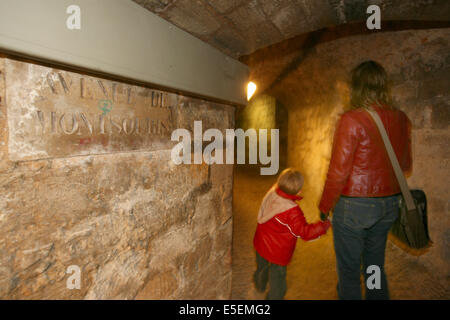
(311, 275)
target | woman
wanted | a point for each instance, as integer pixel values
(361, 185)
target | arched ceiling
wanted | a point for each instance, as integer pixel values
(240, 27)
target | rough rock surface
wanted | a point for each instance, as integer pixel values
(136, 224)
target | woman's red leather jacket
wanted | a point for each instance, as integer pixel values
(360, 165)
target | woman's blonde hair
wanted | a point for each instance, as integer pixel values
(290, 181)
(369, 86)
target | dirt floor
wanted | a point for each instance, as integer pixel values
(312, 272)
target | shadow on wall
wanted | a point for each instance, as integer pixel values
(265, 112)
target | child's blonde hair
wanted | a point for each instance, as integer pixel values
(290, 181)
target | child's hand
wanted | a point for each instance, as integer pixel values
(327, 224)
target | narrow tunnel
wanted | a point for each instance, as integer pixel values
(312, 81)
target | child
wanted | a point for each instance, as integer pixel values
(280, 223)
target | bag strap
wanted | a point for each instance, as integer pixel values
(410, 204)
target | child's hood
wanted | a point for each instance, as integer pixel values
(272, 205)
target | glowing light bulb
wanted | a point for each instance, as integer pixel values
(251, 88)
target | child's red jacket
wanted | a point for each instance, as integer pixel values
(280, 223)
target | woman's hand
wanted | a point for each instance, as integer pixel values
(324, 216)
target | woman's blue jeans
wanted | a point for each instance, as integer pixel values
(360, 229)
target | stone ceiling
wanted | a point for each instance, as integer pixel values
(239, 27)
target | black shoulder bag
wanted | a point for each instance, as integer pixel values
(411, 227)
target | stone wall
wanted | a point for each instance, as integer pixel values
(265, 112)
(317, 92)
(136, 224)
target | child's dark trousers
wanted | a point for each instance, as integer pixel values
(272, 273)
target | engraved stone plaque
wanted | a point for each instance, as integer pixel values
(55, 113)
